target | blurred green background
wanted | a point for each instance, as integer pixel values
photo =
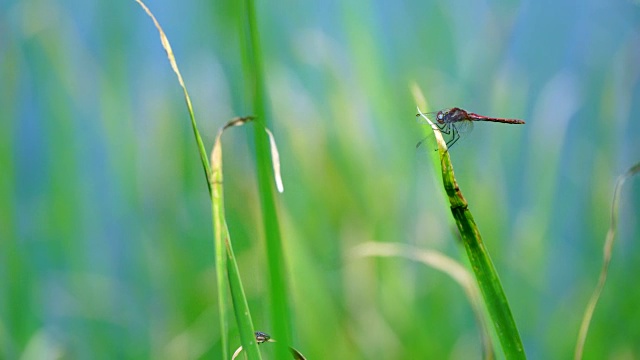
(106, 246)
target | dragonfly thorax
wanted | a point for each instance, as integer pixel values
(451, 115)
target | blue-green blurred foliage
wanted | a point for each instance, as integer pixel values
(106, 244)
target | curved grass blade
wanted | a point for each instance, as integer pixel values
(223, 265)
(222, 289)
(486, 274)
(227, 264)
(263, 338)
(275, 160)
(606, 260)
(441, 263)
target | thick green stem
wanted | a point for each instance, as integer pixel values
(255, 87)
(481, 264)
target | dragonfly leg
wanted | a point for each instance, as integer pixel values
(454, 138)
(444, 128)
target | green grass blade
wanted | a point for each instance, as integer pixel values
(225, 255)
(440, 262)
(174, 66)
(255, 88)
(240, 305)
(485, 272)
(606, 259)
(221, 233)
(221, 236)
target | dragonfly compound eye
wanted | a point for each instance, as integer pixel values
(440, 116)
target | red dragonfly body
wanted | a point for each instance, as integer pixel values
(456, 121)
(455, 115)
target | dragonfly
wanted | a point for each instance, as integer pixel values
(457, 122)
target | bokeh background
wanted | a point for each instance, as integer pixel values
(106, 246)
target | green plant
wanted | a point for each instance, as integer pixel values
(225, 259)
(483, 268)
(255, 91)
(606, 260)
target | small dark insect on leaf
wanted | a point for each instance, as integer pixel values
(262, 337)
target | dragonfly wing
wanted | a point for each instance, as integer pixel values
(464, 127)
(430, 115)
(422, 121)
(458, 131)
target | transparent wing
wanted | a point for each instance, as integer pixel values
(459, 131)
(464, 127)
(430, 115)
(428, 134)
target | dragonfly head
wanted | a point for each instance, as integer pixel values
(440, 116)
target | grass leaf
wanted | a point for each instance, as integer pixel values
(174, 66)
(223, 246)
(224, 265)
(440, 262)
(607, 250)
(486, 274)
(253, 67)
